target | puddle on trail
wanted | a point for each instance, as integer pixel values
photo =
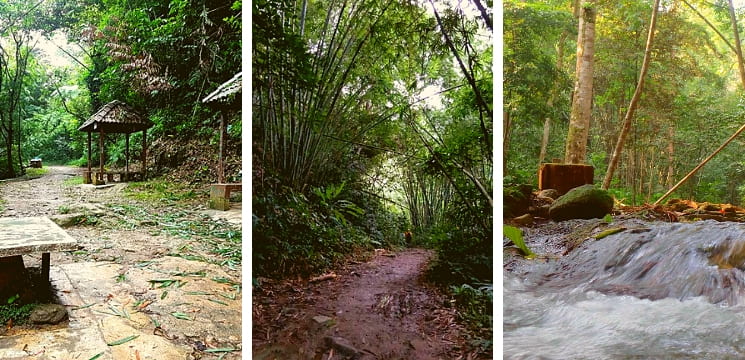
(669, 291)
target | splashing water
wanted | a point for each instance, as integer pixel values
(672, 291)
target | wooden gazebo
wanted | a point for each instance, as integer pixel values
(225, 98)
(118, 118)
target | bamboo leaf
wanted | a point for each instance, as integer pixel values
(180, 316)
(123, 340)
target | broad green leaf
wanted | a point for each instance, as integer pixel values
(516, 235)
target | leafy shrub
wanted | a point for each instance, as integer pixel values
(475, 304)
(298, 234)
(12, 310)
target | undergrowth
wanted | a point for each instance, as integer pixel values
(297, 234)
(34, 172)
(160, 190)
(13, 311)
(464, 268)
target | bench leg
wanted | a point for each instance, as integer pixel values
(45, 267)
(219, 198)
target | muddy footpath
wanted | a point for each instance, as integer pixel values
(375, 309)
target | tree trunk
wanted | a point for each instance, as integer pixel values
(579, 122)
(670, 156)
(738, 48)
(634, 100)
(712, 26)
(505, 139)
(552, 98)
(692, 172)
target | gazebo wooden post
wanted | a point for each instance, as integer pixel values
(88, 179)
(126, 158)
(101, 136)
(223, 137)
(144, 154)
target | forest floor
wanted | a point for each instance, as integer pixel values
(152, 278)
(376, 309)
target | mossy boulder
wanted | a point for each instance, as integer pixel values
(582, 202)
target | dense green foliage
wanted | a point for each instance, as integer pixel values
(348, 152)
(162, 58)
(692, 100)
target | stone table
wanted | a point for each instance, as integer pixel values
(24, 236)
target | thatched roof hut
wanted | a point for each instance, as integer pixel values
(115, 117)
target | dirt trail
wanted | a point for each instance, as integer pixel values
(380, 309)
(40, 196)
(134, 275)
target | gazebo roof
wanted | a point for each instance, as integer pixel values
(225, 89)
(116, 117)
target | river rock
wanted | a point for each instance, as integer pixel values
(48, 314)
(552, 194)
(582, 202)
(516, 199)
(525, 220)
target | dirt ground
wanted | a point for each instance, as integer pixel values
(136, 277)
(380, 309)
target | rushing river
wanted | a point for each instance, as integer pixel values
(667, 291)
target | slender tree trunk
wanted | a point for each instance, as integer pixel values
(552, 98)
(670, 156)
(484, 14)
(505, 139)
(738, 47)
(579, 122)
(741, 66)
(721, 36)
(634, 100)
(692, 172)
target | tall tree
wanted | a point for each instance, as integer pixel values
(634, 99)
(579, 122)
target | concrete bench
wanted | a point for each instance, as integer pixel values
(220, 195)
(25, 236)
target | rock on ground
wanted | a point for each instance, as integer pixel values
(48, 314)
(583, 202)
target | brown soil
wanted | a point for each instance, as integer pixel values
(380, 309)
(119, 258)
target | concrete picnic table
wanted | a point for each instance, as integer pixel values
(28, 235)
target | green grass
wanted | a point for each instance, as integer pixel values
(160, 190)
(76, 180)
(33, 172)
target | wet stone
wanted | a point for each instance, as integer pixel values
(343, 346)
(322, 320)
